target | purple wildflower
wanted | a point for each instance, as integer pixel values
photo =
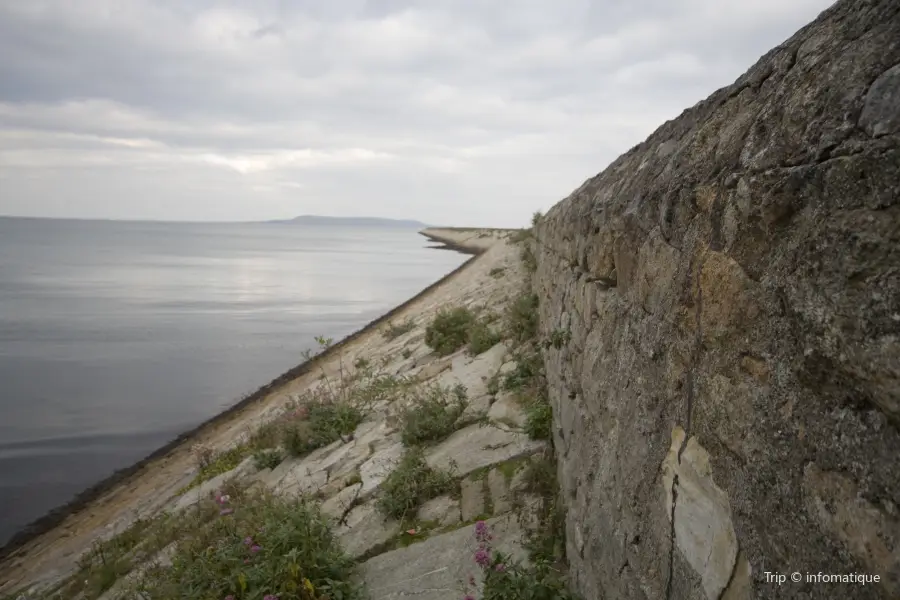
(226, 511)
(482, 557)
(248, 540)
(500, 568)
(469, 597)
(255, 549)
(270, 597)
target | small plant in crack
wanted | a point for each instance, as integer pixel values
(410, 485)
(432, 414)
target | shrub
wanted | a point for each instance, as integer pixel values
(449, 331)
(528, 258)
(505, 579)
(522, 318)
(267, 459)
(481, 337)
(410, 485)
(539, 419)
(536, 218)
(266, 436)
(392, 332)
(406, 353)
(263, 545)
(528, 374)
(558, 338)
(326, 422)
(432, 414)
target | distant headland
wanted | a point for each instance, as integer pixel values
(351, 221)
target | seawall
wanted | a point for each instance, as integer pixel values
(729, 402)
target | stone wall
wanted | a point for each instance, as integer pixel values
(729, 402)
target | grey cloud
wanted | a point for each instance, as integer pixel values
(473, 111)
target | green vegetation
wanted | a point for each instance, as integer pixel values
(324, 423)
(267, 459)
(267, 547)
(558, 338)
(522, 318)
(481, 337)
(454, 328)
(449, 330)
(410, 485)
(406, 353)
(392, 331)
(497, 272)
(539, 419)
(536, 218)
(432, 414)
(214, 464)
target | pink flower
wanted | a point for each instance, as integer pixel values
(246, 561)
(471, 580)
(469, 597)
(248, 540)
(255, 549)
(229, 597)
(483, 557)
(500, 567)
(226, 511)
(270, 597)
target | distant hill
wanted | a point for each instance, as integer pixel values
(351, 221)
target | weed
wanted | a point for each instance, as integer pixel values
(360, 363)
(527, 375)
(506, 579)
(481, 337)
(432, 414)
(326, 422)
(449, 330)
(539, 419)
(497, 272)
(558, 338)
(221, 462)
(265, 546)
(493, 385)
(392, 332)
(406, 353)
(267, 459)
(522, 318)
(528, 258)
(411, 484)
(266, 436)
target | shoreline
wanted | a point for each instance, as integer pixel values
(81, 501)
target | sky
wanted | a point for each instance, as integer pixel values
(452, 112)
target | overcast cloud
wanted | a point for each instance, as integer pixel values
(462, 112)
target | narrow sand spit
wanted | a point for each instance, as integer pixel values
(52, 555)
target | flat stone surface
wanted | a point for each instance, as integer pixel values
(501, 500)
(478, 446)
(365, 529)
(337, 504)
(506, 410)
(473, 372)
(443, 509)
(437, 568)
(472, 502)
(377, 468)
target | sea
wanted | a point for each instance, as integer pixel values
(117, 336)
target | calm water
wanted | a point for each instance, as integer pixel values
(115, 336)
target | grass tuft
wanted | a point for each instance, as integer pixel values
(412, 484)
(433, 414)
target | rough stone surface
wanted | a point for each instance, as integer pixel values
(498, 487)
(736, 275)
(506, 410)
(478, 446)
(364, 529)
(437, 568)
(443, 509)
(472, 501)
